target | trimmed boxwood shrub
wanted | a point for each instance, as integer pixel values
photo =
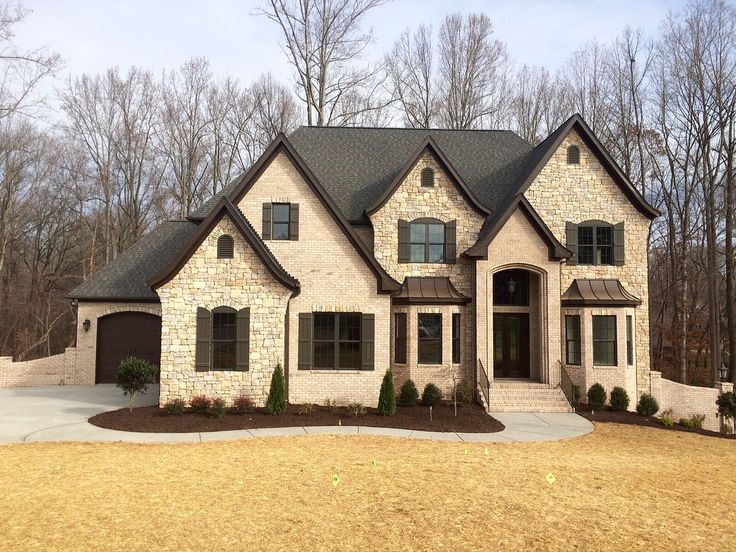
(134, 376)
(727, 405)
(464, 393)
(647, 406)
(242, 404)
(200, 404)
(431, 395)
(387, 395)
(276, 402)
(175, 407)
(596, 396)
(408, 394)
(619, 399)
(218, 408)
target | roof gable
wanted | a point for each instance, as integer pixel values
(429, 145)
(226, 208)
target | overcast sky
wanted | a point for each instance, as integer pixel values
(92, 35)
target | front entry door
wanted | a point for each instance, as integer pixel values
(510, 345)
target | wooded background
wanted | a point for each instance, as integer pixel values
(131, 149)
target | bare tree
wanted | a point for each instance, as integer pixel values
(532, 97)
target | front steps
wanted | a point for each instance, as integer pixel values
(526, 396)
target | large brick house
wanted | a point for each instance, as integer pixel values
(442, 254)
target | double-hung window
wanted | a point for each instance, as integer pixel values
(430, 338)
(572, 338)
(604, 341)
(427, 242)
(595, 245)
(336, 342)
(456, 339)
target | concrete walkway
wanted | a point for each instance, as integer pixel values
(60, 413)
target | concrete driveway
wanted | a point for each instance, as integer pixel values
(60, 413)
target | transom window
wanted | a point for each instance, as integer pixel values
(572, 337)
(604, 340)
(223, 338)
(511, 287)
(336, 341)
(427, 242)
(430, 338)
(595, 244)
(281, 220)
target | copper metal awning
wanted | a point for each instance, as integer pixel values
(428, 291)
(598, 293)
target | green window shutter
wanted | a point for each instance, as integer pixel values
(204, 340)
(618, 244)
(450, 242)
(571, 231)
(242, 339)
(305, 341)
(403, 241)
(266, 234)
(367, 346)
(294, 221)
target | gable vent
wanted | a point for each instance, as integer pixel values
(225, 246)
(427, 178)
(573, 155)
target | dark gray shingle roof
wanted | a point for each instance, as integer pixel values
(125, 277)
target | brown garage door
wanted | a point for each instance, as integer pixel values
(125, 334)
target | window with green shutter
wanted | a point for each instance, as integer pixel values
(595, 243)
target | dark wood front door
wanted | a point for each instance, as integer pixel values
(125, 334)
(510, 345)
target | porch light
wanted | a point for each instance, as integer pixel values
(512, 286)
(86, 324)
(723, 372)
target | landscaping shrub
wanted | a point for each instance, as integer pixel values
(387, 395)
(431, 395)
(647, 406)
(596, 396)
(276, 402)
(306, 409)
(464, 393)
(175, 407)
(134, 376)
(331, 405)
(666, 418)
(697, 420)
(357, 410)
(576, 394)
(727, 405)
(408, 394)
(200, 404)
(242, 405)
(218, 408)
(687, 422)
(619, 399)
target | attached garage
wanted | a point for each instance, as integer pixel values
(124, 334)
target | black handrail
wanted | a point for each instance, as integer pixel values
(484, 383)
(566, 384)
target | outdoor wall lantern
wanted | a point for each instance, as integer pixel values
(512, 286)
(723, 372)
(86, 324)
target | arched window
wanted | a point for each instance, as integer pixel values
(427, 177)
(573, 155)
(225, 246)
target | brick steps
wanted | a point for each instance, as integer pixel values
(523, 396)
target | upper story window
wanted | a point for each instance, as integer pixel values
(595, 243)
(427, 241)
(573, 155)
(427, 177)
(280, 221)
(225, 247)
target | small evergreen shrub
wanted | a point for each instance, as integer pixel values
(242, 405)
(596, 396)
(218, 408)
(387, 395)
(357, 410)
(175, 407)
(647, 406)
(619, 399)
(464, 393)
(134, 376)
(666, 418)
(576, 394)
(431, 395)
(727, 405)
(687, 422)
(200, 404)
(276, 402)
(408, 394)
(331, 405)
(306, 409)
(697, 420)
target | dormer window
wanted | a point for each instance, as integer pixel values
(225, 247)
(427, 178)
(573, 155)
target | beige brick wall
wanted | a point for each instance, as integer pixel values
(517, 245)
(686, 400)
(333, 277)
(51, 370)
(578, 193)
(209, 282)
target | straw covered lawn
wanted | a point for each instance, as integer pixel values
(620, 488)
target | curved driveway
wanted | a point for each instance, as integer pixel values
(60, 413)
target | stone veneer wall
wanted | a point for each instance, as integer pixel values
(517, 245)
(209, 282)
(686, 400)
(577, 193)
(333, 278)
(444, 202)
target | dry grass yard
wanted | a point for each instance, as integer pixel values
(621, 488)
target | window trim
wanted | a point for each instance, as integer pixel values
(234, 341)
(336, 341)
(456, 337)
(421, 339)
(614, 340)
(427, 222)
(401, 342)
(568, 340)
(594, 225)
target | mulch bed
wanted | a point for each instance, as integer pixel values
(152, 419)
(632, 418)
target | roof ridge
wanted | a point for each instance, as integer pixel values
(417, 129)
